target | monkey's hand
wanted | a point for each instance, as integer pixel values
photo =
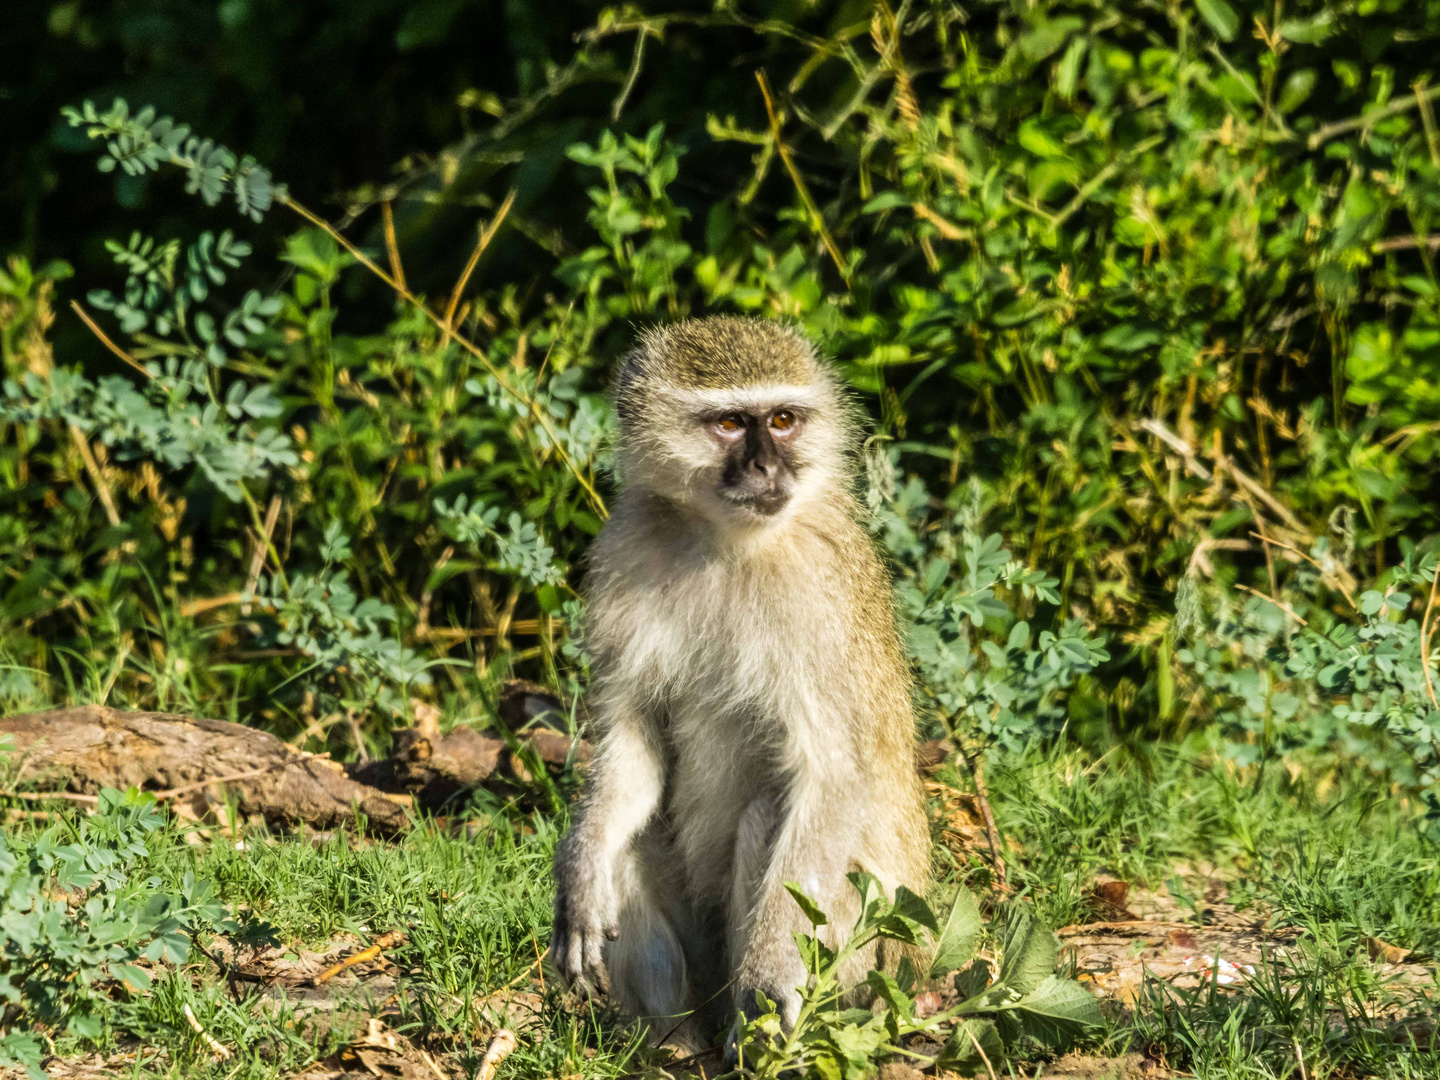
(586, 916)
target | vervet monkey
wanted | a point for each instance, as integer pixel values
(750, 693)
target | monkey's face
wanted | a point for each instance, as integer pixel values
(734, 421)
(758, 456)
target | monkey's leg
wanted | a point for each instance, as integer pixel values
(810, 842)
(626, 780)
(752, 855)
(753, 839)
(647, 961)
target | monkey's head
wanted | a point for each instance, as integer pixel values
(735, 418)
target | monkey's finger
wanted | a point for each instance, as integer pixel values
(575, 956)
(612, 932)
(595, 961)
(555, 954)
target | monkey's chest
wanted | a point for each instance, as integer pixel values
(718, 762)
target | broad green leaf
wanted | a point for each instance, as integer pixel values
(1059, 1009)
(1029, 954)
(1047, 36)
(136, 978)
(1221, 17)
(913, 909)
(960, 935)
(1310, 31)
(972, 981)
(900, 1007)
(1296, 90)
(963, 1050)
(886, 200)
(1033, 137)
(1067, 71)
(811, 909)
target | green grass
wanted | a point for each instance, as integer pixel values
(1338, 865)
(1352, 859)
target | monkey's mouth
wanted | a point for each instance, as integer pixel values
(764, 503)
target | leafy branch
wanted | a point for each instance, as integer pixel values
(144, 142)
(991, 1013)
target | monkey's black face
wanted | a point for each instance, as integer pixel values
(760, 463)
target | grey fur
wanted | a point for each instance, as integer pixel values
(751, 695)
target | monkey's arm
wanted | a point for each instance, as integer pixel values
(623, 791)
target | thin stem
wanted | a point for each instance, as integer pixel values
(105, 340)
(976, 767)
(816, 218)
(469, 346)
(1425, 631)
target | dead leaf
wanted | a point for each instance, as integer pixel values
(1383, 950)
(1181, 939)
(928, 1003)
(1109, 898)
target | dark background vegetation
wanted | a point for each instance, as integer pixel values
(1065, 227)
(1139, 296)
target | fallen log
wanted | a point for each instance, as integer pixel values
(85, 749)
(437, 769)
(76, 752)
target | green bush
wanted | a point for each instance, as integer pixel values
(78, 910)
(1145, 288)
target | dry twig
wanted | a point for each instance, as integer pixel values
(976, 767)
(383, 942)
(486, 235)
(983, 1056)
(1278, 603)
(216, 1047)
(262, 546)
(816, 218)
(105, 340)
(537, 415)
(1327, 575)
(392, 249)
(92, 469)
(37, 796)
(1426, 629)
(502, 1043)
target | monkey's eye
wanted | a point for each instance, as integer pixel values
(784, 420)
(730, 425)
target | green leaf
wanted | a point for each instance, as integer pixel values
(1296, 90)
(1059, 1009)
(84, 1023)
(963, 1049)
(896, 1000)
(886, 200)
(1033, 137)
(913, 909)
(1030, 952)
(960, 935)
(1047, 36)
(1221, 17)
(972, 982)
(811, 909)
(136, 978)
(1310, 31)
